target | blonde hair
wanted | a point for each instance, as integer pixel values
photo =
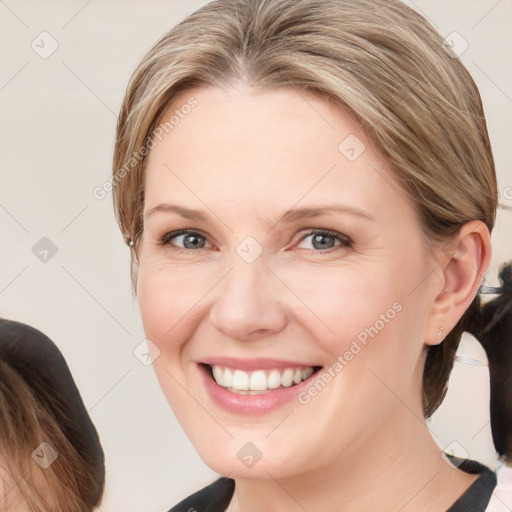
(377, 60)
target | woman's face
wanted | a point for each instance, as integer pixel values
(276, 243)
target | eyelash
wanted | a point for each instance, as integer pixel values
(345, 240)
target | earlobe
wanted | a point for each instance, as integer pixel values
(463, 268)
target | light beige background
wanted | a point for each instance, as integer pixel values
(58, 116)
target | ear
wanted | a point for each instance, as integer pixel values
(464, 262)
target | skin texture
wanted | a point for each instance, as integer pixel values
(362, 442)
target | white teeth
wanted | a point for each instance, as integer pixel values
(218, 375)
(274, 379)
(227, 380)
(307, 372)
(240, 381)
(287, 378)
(258, 381)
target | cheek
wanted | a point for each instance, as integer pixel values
(365, 318)
(167, 298)
(345, 303)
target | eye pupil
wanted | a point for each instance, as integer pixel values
(320, 240)
(191, 241)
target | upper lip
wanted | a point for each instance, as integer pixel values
(254, 363)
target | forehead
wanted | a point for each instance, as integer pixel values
(287, 121)
(279, 147)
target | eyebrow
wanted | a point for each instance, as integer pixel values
(289, 216)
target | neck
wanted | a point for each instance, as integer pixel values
(399, 468)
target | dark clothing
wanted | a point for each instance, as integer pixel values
(217, 496)
(213, 498)
(477, 496)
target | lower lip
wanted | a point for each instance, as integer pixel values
(251, 404)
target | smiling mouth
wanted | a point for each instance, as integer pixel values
(259, 382)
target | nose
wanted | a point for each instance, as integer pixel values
(247, 305)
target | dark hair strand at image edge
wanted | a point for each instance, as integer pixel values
(491, 324)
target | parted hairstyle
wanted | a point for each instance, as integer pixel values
(40, 403)
(381, 63)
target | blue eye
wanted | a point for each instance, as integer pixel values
(323, 240)
(186, 241)
(190, 239)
